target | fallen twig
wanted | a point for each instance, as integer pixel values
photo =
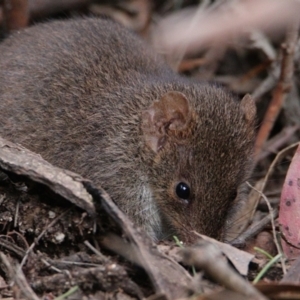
(271, 211)
(209, 258)
(282, 89)
(253, 230)
(18, 277)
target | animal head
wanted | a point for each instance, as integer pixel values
(202, 143)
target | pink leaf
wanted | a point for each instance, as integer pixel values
(289, 213)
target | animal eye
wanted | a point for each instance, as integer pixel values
(183, 191)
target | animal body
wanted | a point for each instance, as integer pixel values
(91, 97)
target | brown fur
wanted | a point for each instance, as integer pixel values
(82, 93)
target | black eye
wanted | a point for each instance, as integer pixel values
(183, 190)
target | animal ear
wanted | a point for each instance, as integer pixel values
(248, 107)
(165, 117)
